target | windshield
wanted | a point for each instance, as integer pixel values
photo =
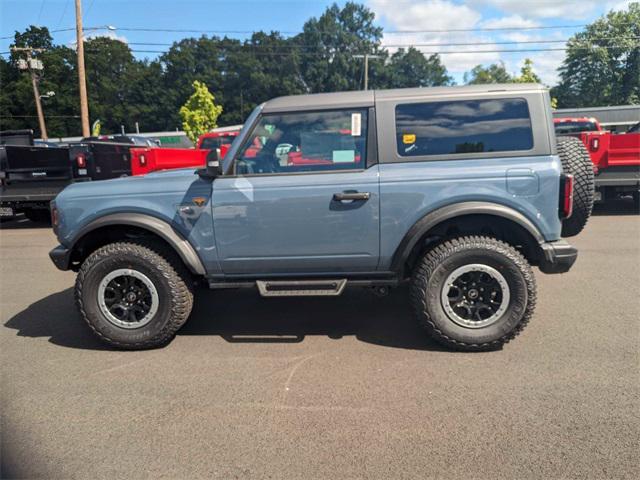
(209, 143)
(248, 125)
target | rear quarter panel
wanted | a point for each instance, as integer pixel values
(412, 187)
(409, 191)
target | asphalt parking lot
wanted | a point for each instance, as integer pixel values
(315, 388)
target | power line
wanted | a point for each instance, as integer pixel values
(40, 12)
(34, 116)
(290, 32)
(86, 14)
(325, 32)
(400, 45)
(438, 52)
(64, 12)
(50, 31)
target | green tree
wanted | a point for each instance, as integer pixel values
(17, 106)
(327, 45)
(199, 114)
(527, 75)
(494, 73)
(411, 68)
(263, 67)
(111, 72)
(190, 59)
(602, 65)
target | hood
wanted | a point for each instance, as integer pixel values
(156, 182)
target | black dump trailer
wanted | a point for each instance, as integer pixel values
(32, 176)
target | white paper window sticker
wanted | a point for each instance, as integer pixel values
(344, 156)
(356, 124)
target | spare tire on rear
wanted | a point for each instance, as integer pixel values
(576, 161)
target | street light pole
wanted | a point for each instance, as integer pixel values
(366, 57)
(82, 80)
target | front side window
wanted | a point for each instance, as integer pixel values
(458, 127)
(305, 142)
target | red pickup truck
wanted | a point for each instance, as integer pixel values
(615, 157)
(145, 160)
(575, 125)
(616, 163)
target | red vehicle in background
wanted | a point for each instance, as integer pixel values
(576, 125)
(616, 163)
(218, 137)
(146, 160)
(615, 157)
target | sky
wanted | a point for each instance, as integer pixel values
(400, 18)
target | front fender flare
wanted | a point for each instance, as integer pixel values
(435, 217)
(155, 225)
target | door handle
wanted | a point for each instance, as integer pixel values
(351, 196)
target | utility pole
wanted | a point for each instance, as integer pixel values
(82, 80)
(33, 64)
(366, 57)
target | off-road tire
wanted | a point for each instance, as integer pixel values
(168, 275)
(576, 161)
(437, 264)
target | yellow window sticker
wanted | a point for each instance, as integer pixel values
(409, 138)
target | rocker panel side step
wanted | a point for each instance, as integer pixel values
(301, 288)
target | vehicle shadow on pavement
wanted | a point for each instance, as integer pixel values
(55, 317)
(623, 206)
(242, 316)
(21, 222)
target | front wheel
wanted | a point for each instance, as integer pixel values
(133, 297)
(473, 293)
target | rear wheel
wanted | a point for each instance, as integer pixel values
(576, 161)
(132, 296)
(473, 293)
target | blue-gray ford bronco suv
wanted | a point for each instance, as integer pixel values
(457, 191)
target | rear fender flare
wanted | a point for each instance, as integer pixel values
(430, 220)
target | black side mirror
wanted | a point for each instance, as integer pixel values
(212, 168)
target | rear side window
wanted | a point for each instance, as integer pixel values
(468, 126)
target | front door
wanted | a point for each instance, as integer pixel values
(300, 198)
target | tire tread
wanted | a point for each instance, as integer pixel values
(434, 257)
(174, 272)
(576, 161)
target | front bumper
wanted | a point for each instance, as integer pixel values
(558, 257)
(61, 257)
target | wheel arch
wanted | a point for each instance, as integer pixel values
(116, 226)
(468, 218)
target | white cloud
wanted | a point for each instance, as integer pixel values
(108, 34)
(447, 15)
(513, 21)
(618, 4)
(429, 14)
(435, 15)
(568, 9)
(95, 33)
